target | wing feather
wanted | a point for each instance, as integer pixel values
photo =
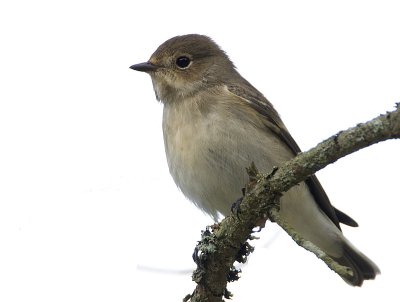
(273, 122)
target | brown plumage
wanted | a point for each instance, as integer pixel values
(215, 123)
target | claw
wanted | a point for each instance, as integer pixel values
(195, 256)
(235, 207)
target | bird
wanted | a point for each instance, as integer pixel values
(215, 124)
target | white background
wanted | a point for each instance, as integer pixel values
(88, 211)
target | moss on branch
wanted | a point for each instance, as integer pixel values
(224, 243)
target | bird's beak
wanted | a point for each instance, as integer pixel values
(145, 67)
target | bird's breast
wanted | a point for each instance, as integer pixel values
(196, 147)
(208, 152)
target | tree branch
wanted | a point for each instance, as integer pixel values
(224, 243)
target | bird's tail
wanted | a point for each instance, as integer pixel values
(363, 268)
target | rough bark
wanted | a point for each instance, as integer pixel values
(224, 243)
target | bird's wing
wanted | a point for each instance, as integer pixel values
(272, 120)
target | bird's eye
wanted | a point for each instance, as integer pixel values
(183, 62)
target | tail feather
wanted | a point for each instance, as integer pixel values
(363, 268)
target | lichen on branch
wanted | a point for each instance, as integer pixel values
(226, 242)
